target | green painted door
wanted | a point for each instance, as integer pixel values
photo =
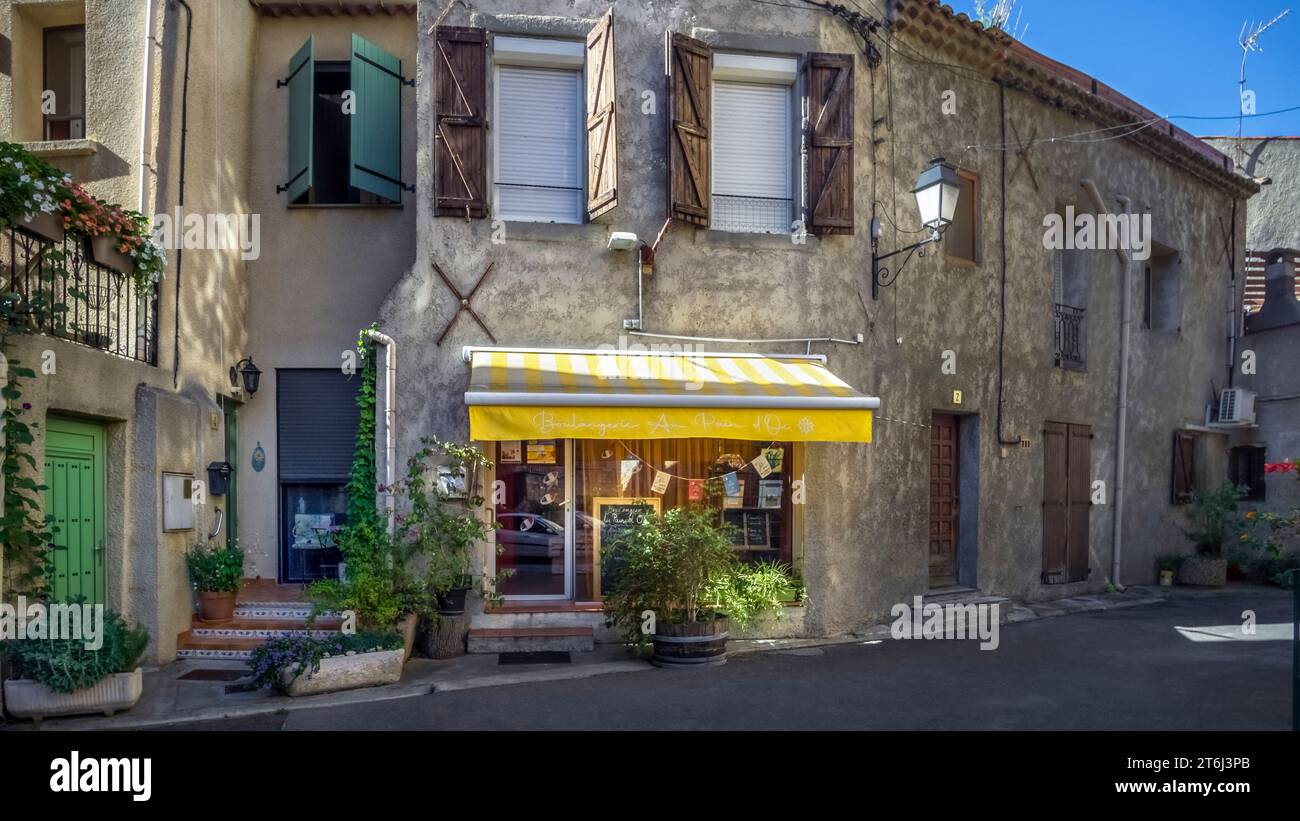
(74, 480)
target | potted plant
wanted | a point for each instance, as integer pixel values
(216, 573)
(303, 665)
(1167, 565)
(678, 583)
(62, 676)
(1211, 515)
(30, 192)
(443, 525)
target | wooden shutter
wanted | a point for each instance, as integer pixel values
(830, 159)
(302, 98)
(690, 87)
(1055, 502)
(1078, 461)
(460, 122)
(375, 127)
(602, 120)
(1184, 467)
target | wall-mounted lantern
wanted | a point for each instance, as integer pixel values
(937, 189)
(251, 374)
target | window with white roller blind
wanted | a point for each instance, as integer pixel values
(539, 135)
(752, 143)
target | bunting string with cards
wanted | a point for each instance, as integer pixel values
(760, 464)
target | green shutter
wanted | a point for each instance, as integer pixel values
(302, 97)
(376, 122)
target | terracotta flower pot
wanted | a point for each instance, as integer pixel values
(103, 250)
(219, 606)
(44, 226)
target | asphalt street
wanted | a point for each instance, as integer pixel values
(1182, 664)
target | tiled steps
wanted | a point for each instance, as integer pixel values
(531, 639)
(253, 624)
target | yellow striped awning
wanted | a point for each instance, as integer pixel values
(519, 393)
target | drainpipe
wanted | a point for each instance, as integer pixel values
(180, 200)
(146, 102)
(390, 423)
(1121, 401)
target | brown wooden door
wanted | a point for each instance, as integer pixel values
(944, 502)
(1067, 456)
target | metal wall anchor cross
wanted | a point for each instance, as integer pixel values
(464, 302)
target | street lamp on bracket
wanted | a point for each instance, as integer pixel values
(937, 189)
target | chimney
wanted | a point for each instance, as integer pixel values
(1280, 305)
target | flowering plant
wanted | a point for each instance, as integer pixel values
(299, 653)
(28, 185)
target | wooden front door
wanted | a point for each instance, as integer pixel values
(74, 496)
(1067, 454)
(944, 502)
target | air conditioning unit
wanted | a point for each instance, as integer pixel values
(1236, 407)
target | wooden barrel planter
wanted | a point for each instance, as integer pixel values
(696, 644)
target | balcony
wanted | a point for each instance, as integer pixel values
(104, 310)
(1071, 337)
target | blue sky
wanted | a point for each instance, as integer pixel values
(1175, 57)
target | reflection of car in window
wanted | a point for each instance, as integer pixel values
(529, 539)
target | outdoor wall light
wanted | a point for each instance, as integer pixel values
(623, 241)
(251, 373)
(937, 189)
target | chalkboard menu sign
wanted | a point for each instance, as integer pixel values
(616, 517)
(756, 533)
(735, 518)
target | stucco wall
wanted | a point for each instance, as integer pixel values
(324, 270)
(157, 418)
(866, 522)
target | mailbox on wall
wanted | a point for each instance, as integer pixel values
(219, 478)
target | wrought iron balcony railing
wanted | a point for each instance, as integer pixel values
(1071, 337)
(103, 308)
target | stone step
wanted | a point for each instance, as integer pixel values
(190, 646)
(273, 610)
(531, 639)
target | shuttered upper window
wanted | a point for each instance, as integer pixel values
(751, 139)
(539, 134)
(345, 127)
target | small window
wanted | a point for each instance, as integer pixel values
(961, 239)
(63, 88)
(751, 137)
(345, 121)
(1246, 469)
(539, 173)
(1162, 307)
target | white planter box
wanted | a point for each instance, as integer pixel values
(349, 672)
(25, 698)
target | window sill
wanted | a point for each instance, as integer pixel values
(592, 233)
(307, 206)
(711, 238)
(62, 148)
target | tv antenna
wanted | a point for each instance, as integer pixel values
(1249, 41)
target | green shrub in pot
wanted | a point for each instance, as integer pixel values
(66, 665)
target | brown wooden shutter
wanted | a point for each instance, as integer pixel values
(602, 122)
(1078, 490)
(1184, 467)
(690, 96)
(1055, 502)
(460, 122)
(830, 160)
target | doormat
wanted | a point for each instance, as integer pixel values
(213, 675)
(540, 657)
